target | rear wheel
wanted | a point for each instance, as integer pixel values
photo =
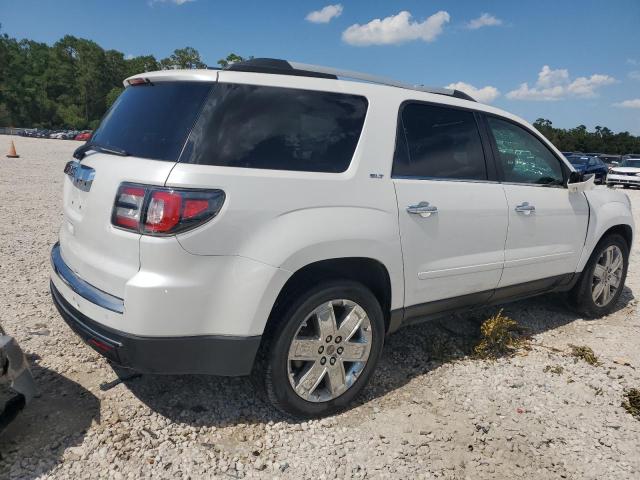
(322, 354)
(602, 280)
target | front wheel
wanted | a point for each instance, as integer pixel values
(322, 354)
(603, 277)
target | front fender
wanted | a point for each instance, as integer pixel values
(607, 209)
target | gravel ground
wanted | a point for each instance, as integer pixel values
(432, 411)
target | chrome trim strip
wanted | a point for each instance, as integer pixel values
(447, 272)
(82, 288)
(519, 262)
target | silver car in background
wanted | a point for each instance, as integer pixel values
(14, 372)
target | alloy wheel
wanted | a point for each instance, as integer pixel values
(607, 275)
(329, 350)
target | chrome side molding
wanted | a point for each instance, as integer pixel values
(82, 288)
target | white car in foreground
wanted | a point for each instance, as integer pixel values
(272, 219)
(626, 174)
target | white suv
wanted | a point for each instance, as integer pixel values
(272, 219)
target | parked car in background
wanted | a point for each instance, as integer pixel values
(570, 154)
(626, 174)
(84, 135)
(398, 204)
(16, 376)
(611, 160)
(586, 164)
(71, 134)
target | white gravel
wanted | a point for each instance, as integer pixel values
(431, 412)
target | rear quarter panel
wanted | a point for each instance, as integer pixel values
(290, 219)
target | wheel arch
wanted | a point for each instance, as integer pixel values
(620, 225)
(624, 230)
(370, 272)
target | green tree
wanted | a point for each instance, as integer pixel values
(141, 64)
(229, 59)
(183, 58)
(113, 95)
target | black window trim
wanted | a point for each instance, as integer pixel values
(350, 164)
(489, 162)
(212, 84)
(494, 152)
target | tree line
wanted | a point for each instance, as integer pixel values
(71, 83)
(579, 139)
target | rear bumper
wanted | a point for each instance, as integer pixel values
(207, 354)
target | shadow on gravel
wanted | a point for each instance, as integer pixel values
(412, 351)
(55, 420)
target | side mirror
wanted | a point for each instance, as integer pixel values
(579, 182)
(575, 177)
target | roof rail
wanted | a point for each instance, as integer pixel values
(283, 67)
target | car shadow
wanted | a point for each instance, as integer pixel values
(218, 401)
(57, 418)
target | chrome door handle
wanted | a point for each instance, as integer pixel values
(423, 209)
(525, 208)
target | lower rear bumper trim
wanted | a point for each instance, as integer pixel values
(207, 354)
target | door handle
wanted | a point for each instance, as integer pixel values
(423, 209)
(525, 208)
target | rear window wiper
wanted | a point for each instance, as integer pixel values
(81, 151)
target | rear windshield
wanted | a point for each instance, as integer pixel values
(277, 128)
(153, 120)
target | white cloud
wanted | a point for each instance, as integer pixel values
(635, 75)
(484, 20)
(557, 84)
(548, 78)
(633, 61)
(396, 29)
(586, 86)
(634, 103)
(484, 95)
(326, 14)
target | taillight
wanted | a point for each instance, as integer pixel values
(163, 211)
(128, 207)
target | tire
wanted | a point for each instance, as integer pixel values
(582, 294)
(625, 185)
(301, 321)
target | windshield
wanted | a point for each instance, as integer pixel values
(578, 160)
(631, 162)
(152, 120)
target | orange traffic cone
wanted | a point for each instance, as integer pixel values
(12, 151)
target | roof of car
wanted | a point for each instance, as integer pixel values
(284, 67)
(323, 78)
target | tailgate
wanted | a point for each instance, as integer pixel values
(91, 246)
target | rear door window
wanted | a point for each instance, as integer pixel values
(153, 120)
(436, 142)
(277, 128)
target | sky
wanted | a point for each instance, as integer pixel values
(572, 62)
